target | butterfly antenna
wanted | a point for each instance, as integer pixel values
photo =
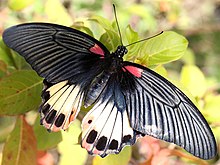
(144, 39)
(114, 8)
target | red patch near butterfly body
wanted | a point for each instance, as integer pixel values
(134, 70)
(97, 50)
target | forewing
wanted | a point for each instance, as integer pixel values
(56, 52)
(158, 108)
(106, 128)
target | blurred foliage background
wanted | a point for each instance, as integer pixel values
(198, 70)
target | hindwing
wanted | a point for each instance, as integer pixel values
(61, 104)
(106, 128)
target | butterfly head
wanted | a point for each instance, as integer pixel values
(117, 59)
(120, 51)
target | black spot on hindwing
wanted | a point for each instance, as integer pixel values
(91, 137)
(113, 145)
(126, 138)
(101, 143)
(51, 116)
(60, 119)
(45, 108)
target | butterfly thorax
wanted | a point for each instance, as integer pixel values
(117, 59)
(120, 51)
(113, 65)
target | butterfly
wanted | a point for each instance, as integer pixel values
(128, 100)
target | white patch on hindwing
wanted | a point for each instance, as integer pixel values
(61, 106)
(106, 129)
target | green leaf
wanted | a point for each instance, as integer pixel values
(5, 54)
(194, 80)
(111, 40)
(6, 126)
(131, 35)
(19, 62)
(57, 13)
(69, 148)
(120, 159)
(164, 48)
(11, 58)
(3, 69)
(45, 140)
(133, 50)
(161, 70)
(20, 92)
(20, 147)
(80, 26)
(3, 66)
(105, 23)
(19, 4)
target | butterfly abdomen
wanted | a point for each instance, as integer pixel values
(96, 88)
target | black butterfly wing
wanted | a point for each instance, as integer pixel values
(56, 52)
(68, 60)
(158, 108)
